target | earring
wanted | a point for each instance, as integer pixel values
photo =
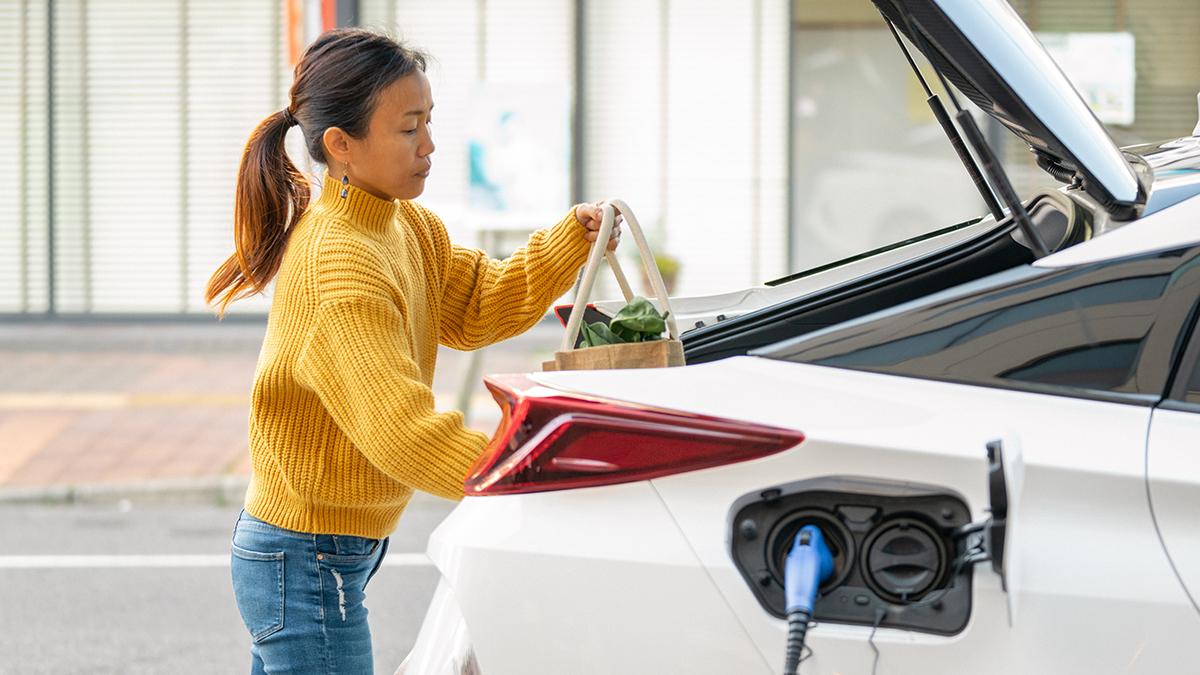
(345, 182)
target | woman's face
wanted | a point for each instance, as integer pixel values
(392, 161)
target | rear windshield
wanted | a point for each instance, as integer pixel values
(1081, 328)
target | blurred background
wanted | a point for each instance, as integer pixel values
(754, 138)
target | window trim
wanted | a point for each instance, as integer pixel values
(1179, 406)
(1123, 397)
(1181, 373)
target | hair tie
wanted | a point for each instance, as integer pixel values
(289, 118)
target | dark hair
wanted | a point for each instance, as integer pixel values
(337, 84)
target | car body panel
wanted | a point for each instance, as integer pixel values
(1171, 227)
(1175, 166)
(444, 644)
(1173, 473)
(597, 554)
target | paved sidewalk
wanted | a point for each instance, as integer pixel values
(88, 407)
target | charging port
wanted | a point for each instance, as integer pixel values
(903, 559)
(837, 538)
(893, 545)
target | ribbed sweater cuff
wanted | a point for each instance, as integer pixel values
(567, 249)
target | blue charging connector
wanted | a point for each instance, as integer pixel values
(809, 564)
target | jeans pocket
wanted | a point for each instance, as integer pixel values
(337, 549)
(258, 588)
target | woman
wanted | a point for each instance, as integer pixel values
(342, 421)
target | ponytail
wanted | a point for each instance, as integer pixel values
(270, 197)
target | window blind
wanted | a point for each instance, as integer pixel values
(236, 76)
(151, 103)
(23, 142)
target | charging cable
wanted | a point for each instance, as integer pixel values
(809, 563)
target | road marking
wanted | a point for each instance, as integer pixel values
(46, 562)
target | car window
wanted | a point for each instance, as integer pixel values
(1083, 328)
(1192, 393)
(1187, 385)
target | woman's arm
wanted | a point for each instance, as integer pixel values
(485, 301)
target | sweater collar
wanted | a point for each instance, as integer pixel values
(359, 207)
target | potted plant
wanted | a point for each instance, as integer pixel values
(668, 267)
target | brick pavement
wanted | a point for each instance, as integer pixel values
(84, 404)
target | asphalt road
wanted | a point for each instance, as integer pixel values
(143, 587)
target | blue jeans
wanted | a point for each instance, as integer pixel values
(301, 597)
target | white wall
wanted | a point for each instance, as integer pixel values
(726, 140)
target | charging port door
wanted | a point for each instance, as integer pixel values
(993, 538)
(1005, 477)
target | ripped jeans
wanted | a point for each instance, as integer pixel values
(301, 597)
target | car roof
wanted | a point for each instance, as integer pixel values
(1177, 226)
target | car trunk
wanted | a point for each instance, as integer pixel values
(991, 250)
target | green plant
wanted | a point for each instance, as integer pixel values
(638, 321)
(668, 265)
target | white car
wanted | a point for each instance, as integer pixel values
(959, 400)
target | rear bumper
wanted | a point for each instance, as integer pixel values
(443, 647)
(597, 580)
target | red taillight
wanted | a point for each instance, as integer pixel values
(552, 441)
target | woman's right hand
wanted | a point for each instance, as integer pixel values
(590, 216)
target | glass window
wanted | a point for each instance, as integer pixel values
(1192, 393)
(1188, 389)
(1082, 328)
(1096, 366)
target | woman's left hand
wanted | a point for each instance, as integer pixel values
(590, 216)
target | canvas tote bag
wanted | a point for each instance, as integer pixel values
(651, 354)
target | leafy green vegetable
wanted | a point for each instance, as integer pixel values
(596, 334)
(637, 321)
(639, 316)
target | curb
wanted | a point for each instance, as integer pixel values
(220, 490)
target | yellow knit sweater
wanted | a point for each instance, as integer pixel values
(342, 420)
